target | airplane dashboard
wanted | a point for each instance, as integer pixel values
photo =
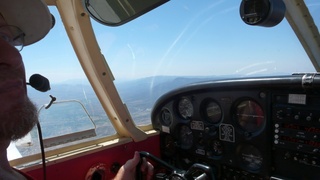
(250, 128)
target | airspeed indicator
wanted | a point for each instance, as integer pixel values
(185, 108)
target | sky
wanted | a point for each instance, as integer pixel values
(185, 38)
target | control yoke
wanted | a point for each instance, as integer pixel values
(196, 171)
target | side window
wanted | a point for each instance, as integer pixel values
(76, 115)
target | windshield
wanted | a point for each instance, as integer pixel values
(200, 39)
(183, 42)
(314, 8)
(178, 43)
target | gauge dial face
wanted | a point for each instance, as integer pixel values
(250, 158)
(253, 11)
(185, 137)
(169, 145)
(217, 148)
(213, 112)
(166, 117)
(185, 108)
(250, 116)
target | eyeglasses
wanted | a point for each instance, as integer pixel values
(13, 35)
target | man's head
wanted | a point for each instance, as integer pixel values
(31, 16)
(21, 22)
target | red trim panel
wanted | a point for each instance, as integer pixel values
(77, 168)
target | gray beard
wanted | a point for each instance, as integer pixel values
(18, 123)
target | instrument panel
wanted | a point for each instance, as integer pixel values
(255, 128)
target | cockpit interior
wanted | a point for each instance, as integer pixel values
(218, 90)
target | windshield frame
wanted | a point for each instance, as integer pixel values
(303, 25)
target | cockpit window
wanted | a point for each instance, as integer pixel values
(314, 8)
(76, 115)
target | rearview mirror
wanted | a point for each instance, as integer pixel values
(118, 12)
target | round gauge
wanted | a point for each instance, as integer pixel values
(169, 145)
(250, 158)
(217, 148)
(166, 117)
(185, 137)
(185, 108)
(267, 13)
(250, 116)
(213, 112)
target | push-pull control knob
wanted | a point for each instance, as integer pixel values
(280, 114)
(287, 155)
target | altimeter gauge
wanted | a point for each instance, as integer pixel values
(185, 137)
